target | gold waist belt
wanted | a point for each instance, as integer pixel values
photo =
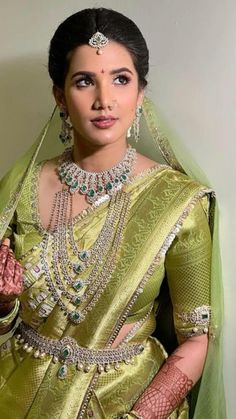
(67, 351)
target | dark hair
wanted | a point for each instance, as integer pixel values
(78, 28)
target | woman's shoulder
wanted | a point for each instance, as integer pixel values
(167, 181)
(143, 163)
(44, 171)
(181, 179)
(41, 172)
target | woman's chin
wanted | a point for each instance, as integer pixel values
(100, 140)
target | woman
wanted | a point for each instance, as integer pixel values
(97, 230)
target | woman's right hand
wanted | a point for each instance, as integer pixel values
(11, 277)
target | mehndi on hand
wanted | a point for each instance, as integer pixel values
(11, 277)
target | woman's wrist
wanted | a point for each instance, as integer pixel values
(6, 307)
(7, 319)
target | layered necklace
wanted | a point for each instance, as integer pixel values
(77, 277)
(95, 184)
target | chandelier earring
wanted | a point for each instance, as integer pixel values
(136, 122)
(65, 134)
(129, 132)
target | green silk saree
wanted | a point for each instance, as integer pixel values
(166, 235)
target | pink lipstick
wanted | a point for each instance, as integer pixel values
(104, 121)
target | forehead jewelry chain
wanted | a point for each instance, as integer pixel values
(99, 41)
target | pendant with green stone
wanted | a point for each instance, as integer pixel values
(84, 255)
(123, 178)
(109, 186)
(83, 189)
(62, 172)
(116, 180)
(62, 372)
(74, 187)
(77, 300)
(78, 267)
(75, 317)
(69, 180)
(91, 193)
(100, 189)
(65, 352)
(77, 285)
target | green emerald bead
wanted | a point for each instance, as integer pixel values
(91, 193)
(83, 188)
(62, 372)
(117, 180)
(77, 301)
(123, 178)
(78, 285)
(78, 268)
(69, 180)
(62, 172)
(75, 316)
(100, 189)
(109, 186)
(84, 255)
(66, 353)
(75, 184)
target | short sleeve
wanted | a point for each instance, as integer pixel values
(188, 270)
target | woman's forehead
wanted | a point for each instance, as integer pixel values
(114, 55)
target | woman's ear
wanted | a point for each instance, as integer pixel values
(59, 96)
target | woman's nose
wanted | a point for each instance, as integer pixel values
(103, 99)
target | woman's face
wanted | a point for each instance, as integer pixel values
(100, 85)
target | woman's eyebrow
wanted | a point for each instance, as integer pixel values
(91, 74)
(120, 70)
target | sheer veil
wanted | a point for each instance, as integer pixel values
(209, 396)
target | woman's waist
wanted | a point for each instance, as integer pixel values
(67, 351)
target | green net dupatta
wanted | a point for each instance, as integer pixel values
(208, 396)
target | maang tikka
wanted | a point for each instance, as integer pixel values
(99, 41)
(65, 134)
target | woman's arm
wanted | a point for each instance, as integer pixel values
(174, 380)
(188, 270)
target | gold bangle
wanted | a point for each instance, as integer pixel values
(131, 414)
(8, 319)
(135, 414)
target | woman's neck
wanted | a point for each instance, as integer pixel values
(99, 158)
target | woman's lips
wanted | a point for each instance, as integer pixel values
(104, 123)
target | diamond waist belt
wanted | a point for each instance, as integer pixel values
(67, 351)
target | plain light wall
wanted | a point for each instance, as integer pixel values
(192, 78)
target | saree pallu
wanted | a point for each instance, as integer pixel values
(166, 234)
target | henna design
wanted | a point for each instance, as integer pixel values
(165, 392)
(11, 276)
(3, 258)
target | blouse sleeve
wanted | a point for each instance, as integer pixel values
(188, 269)
(10, 229)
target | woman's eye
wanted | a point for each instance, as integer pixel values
(121, 80)
(83, 82)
